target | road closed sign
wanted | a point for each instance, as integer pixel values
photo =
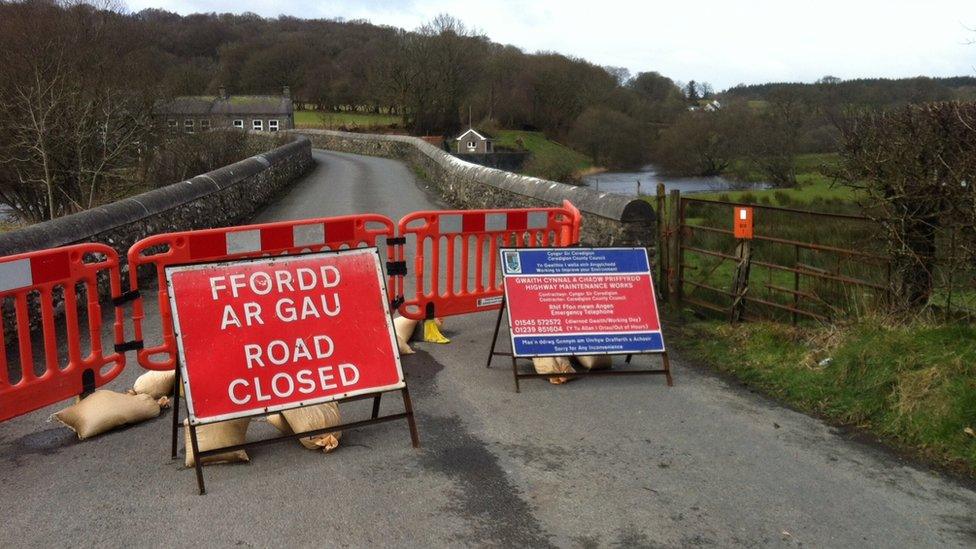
(580, 301)
(261, 335)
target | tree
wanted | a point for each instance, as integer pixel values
(620, 74)
(73, 121)
(610, 137)
(773, 144)
(438, 67)
(700, 143)
(916, 166)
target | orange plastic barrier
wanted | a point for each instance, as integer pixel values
(30, 285)
(456, 254)
(290, 237)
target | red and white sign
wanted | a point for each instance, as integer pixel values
(261, 335)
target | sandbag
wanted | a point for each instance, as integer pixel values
(404, 328)
(595, 362)
(156, 384)
(217, 435)
(553, 365)
(310, 418)
(105, 410)
(432, 331)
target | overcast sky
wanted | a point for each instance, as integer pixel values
(724, 43)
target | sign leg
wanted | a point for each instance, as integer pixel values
(494, 338)
(666, 362)
(515, 374)
(376, 405)
(176, 414)
(197, 461)
(414, 437)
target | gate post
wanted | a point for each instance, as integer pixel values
(676, 219)
(740, 280)
(663, 240)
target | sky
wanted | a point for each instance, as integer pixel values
(724, 43)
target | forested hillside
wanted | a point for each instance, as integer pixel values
(78, 85)
(876, 92)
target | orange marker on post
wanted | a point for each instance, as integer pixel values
(742, 223)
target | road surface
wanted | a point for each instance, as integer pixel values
(596, 462)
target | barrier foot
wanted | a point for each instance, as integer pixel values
(432, 334)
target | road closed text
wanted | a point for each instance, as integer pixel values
(267, 333)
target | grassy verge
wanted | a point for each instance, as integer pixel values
(914, 386)
(331, 120)
(550, 159)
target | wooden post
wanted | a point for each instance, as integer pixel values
(796, 282)
(740, 280)
(663, 241)
(675, 215)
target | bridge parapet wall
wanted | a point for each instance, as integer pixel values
(225, 196)
(608, 219)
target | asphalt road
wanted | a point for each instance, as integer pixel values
(596, 462)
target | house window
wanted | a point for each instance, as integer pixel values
(204, 124)
(272, 125)
(239, 123)
(171, 123)
(471, 145)
(257, 125)
(188, 125)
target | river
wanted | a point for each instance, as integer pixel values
(626, 183)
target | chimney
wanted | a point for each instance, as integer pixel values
(222, 92)
(286, 91)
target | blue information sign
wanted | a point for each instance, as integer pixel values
(580, 301)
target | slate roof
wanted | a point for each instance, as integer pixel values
(198, 105)
(481, 135)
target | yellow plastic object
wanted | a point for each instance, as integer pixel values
(432, 333)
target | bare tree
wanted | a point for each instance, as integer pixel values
(70, 123)
(916, 167)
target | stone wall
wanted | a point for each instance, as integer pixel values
(223, 197)
(608, 219)
(508, 161)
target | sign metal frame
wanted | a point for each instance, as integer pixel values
(665, 369)
(182, 379)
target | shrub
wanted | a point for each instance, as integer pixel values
(916, 166)
(554, 167)
(783, 198)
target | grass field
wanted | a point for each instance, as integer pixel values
(550, 159)
(329, 120)
(911, 385)
(812, 186)
(540, 147)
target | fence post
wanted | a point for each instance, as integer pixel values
(740, 280)
(663, 240)
(796, 281)
(676, 218)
